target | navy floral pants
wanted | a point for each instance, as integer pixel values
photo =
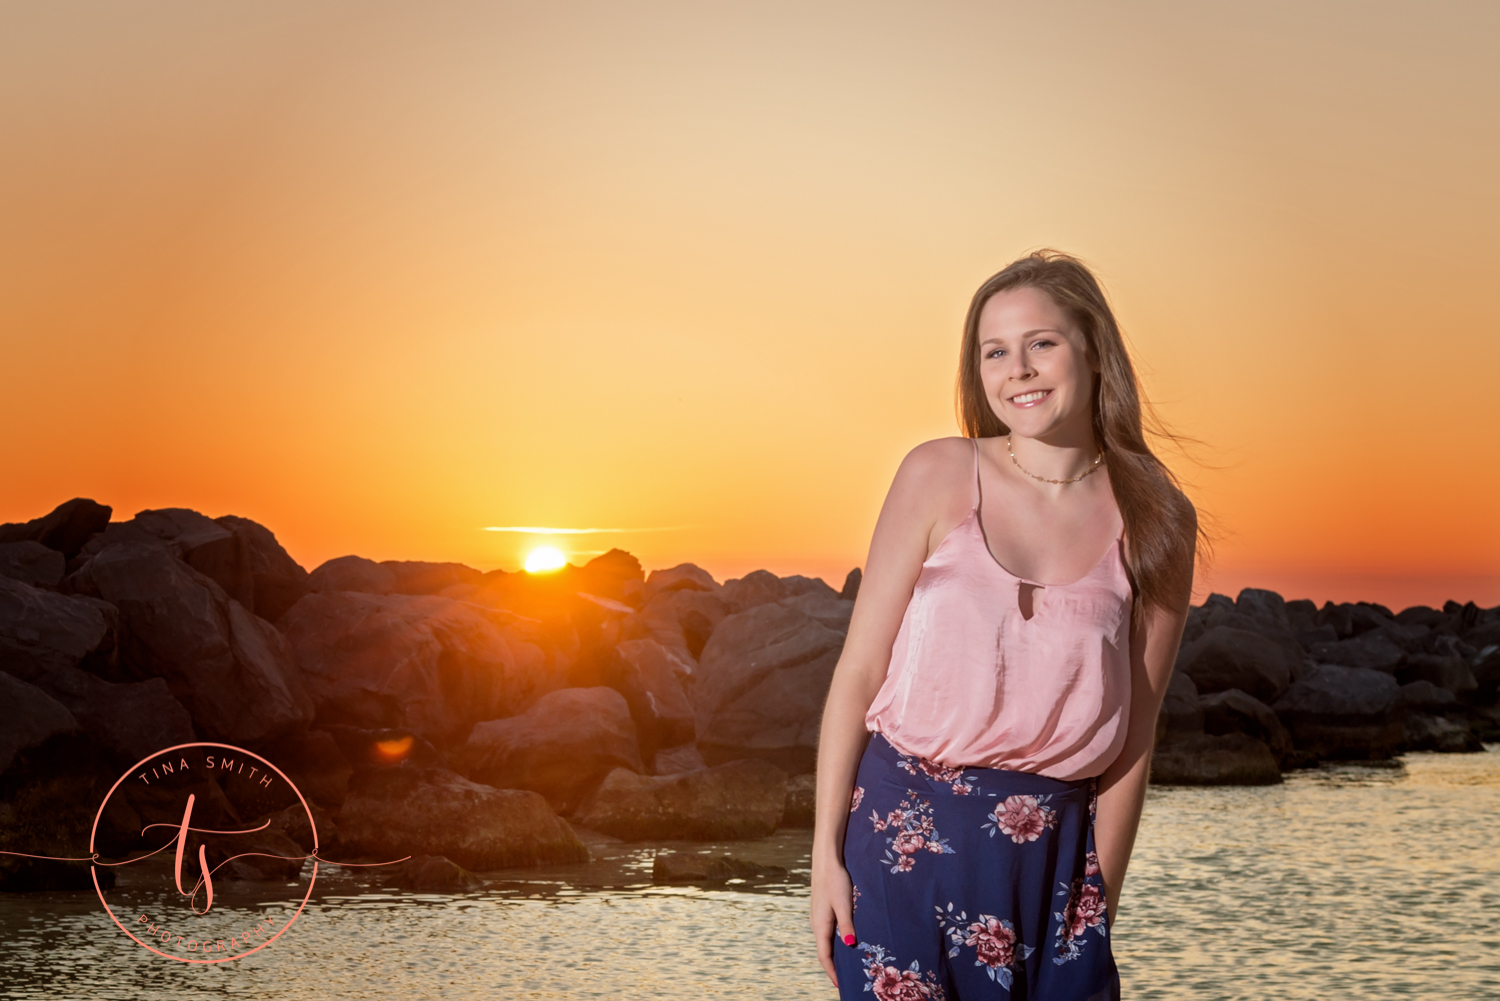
(972, 883)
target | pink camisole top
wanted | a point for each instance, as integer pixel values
(975, 682)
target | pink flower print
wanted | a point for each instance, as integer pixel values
(891, 984)
(1023, 818)
(908, 842)
(1091, 864)
(1085, 910)
(904, 864)
(994, 941)
(857, 798)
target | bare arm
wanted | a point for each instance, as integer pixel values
(1122, 787)
(922, 490)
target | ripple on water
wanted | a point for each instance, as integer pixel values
(1345, 881)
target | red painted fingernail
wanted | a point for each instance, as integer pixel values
(848, 939)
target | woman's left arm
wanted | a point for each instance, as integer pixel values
(1122, 787)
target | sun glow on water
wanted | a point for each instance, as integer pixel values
(544, 559)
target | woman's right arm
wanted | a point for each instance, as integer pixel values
(922, 491)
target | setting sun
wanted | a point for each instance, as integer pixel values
(545, 558)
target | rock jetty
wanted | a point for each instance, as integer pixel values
(478, 720)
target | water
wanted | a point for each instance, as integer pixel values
(1347, 881)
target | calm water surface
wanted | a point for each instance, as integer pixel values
(1347, 881)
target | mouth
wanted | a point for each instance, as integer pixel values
(1031, 398)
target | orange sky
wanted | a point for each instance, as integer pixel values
(379, 275)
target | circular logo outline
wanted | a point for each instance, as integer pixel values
(94, 869)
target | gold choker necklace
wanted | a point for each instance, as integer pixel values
(1098, 461)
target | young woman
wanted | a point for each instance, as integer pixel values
(987, 735)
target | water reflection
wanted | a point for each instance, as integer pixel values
(1344, 881)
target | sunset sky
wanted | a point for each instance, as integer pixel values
(381, 275)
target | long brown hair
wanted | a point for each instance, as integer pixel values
(1160, 522)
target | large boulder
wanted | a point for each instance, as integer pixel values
(1437, 733)
(32, 563)
(1372, 649)
(1424, 696)
(1181, 708)
(430, 811)
(1225, 657)
(229, 668)
(684, 576)
(681, 620)
(276, 581)
(647, 676)
(762, 587)
(1450, 672)
(42, 630)
(1235, 711)
(738, 799)
(432, 664)
(421, 577)
(560, 747)
(801, 801)
(831, 610)
(31, 717)
(66, 528)
(1229, 759)
(351, 573)
(1344, 712)
(129, 721)
(1351, 619)
(761, 684)
(1256, 611)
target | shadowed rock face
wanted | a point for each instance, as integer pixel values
(1181, 710)
(31, 717)
(739, 799)
(1232, 759)
(276, 580)
(1225, 657)
(1235, 711)
(66, 528)
(432, 664)
(32, 563)
(230, 669)
(560, 747)
(431, 811)
(761, 684)
(42, 631)
(1344, 712)
(647, 676)
(129, 721)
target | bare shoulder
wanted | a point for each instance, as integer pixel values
(938, 461)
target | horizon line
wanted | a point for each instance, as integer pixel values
(550, 530)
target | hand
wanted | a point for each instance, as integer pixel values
(832, 906)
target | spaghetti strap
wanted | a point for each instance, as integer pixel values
(976, 473)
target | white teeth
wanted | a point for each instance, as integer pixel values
(1029, 397)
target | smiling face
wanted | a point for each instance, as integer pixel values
(1035, 366)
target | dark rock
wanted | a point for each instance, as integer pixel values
(1343, 712)
(262, 856)
(738, 799)
(129, 721)
(560, 747)
(1372, 649)
(762, 587)
(1265, 606)
(409, 811)
(684, 576)
(1349, 620)
(1436, 733)
(1310, 638)
(210, 548)
(432, 664)
(351, 573)
(851, 585)
(801, 801)
(1486, 672)
(32, 563)
(49, 796)
(434, 874)
(761, 685)
(1410, 638)
(646, 675)
(31, 716)
(1230, 759)
(1236, 712)
(679, 867)
(416, 577)
(230, 669)
(1482, 635)
(316, 764)
(65, 529)
(1448, 672)
(276, 580)
(42, 631)
(320, 832)
(1181, 711)
(675, 760)
(615, 574)
(681, 620)
(1225, 657)
(1424, 696)
(1420, 615)
(832, 611)
(365, 748)
(1302, 615)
